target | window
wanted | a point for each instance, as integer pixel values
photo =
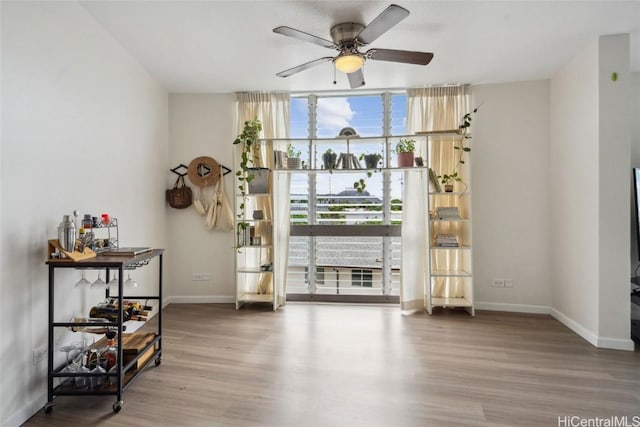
(345, 265)
(362, 278)
(362, 113)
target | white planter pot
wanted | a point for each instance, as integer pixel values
(260, 182)
(293, 163)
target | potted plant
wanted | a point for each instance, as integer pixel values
(293, 160)
(329, 159)
(448, 179)
(249, 140)
(371, 161)
(405, 149)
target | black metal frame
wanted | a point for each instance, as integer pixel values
(108, 263)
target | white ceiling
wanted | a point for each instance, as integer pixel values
(229, 46)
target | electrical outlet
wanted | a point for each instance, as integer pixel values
(497, 283)
(508, 283)
(39, 354)
(199, 277)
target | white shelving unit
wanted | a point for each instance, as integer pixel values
(255, 281)
(450, 273)
(451, 268)
(254, 275)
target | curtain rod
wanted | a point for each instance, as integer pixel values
(347, 92)
(367, 91)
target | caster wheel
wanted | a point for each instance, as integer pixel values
(158, 361)
(117, 406)
(48, 408)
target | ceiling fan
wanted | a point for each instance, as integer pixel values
(349, 37)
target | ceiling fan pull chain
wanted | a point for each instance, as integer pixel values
(334, 74)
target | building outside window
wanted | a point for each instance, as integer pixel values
(344, 265)
(362, 278)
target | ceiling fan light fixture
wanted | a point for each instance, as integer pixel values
(349, 63)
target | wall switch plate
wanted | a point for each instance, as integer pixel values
(508, 283)
(497, 283)
(39, 354)
(199, 277)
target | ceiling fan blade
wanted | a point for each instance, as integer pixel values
(301, 35)
(290, 71)
(406, 56)
(356, 79)
(383, 22)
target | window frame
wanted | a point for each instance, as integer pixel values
(311, 230)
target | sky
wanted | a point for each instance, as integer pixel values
(362, 113)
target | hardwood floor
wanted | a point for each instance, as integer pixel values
(360, 365)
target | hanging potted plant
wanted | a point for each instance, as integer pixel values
(405, 149)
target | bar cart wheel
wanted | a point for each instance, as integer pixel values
(117, 406)
(158, 361)
(48, 407)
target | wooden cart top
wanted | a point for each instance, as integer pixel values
(115, 261)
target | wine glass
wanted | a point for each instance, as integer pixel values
(113, 281)
(97, 381)
(83, 281)
(130, 282)
(68, 367)
(99, 283)
(80, 368)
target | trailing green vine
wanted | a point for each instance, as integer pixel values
(250, 141)
(463, 129)
(371, 163)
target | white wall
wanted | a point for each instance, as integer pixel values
(615, 235)
(200, 125)
(574, 189)
(2, 356)
(511, 215)
(589, 195)
(83, 127)
(635, 162)
(510, 183)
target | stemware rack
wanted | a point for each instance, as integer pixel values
(125, 372)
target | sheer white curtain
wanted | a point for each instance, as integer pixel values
(272, 109)
(435, 108)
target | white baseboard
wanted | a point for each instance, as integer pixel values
(616, 343)
(514, 308)
(593, 339)
(25, 412)
(211, 299)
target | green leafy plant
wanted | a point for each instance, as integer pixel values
(463, 147)
(360, 185)
(405, 145)
(466, 123)
(370, 159)
(451, 178)
(292, 152)
(249, 139)
(329, 160)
